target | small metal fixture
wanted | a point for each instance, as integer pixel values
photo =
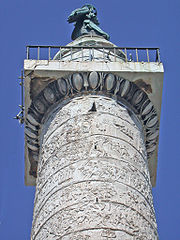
(20, 115)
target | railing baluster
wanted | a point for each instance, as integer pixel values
(60, 54)
(71, 53)
(27, 52)
(158, 54)
(103, 55)
(115, 54)
(137, 55)
(49, 53)
(89, 54)
(38, 52)
(147, 50)
(92, 53)
(125, 50)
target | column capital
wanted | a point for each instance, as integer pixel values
(61, 90)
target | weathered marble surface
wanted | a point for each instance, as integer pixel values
(62, 90)
(93, 180)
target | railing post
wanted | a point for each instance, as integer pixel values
(158, 55)
(92, 53)
(71, 53)
(89, 54)
(137, 55)
(60, 54)
(125, 50)
(27, 53)
(115, 54)
(49, 53)
(38, 52)
(147, 50)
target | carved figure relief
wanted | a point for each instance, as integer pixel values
(93, 179)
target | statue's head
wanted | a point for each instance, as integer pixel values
(91, 8)
(86, 11)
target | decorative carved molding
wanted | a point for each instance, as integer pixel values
(95, 83)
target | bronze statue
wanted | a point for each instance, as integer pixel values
(86, 22)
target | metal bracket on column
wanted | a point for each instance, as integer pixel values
(20, 115)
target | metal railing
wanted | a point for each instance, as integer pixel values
(67, 53)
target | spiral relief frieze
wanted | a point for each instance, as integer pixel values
(93, 180)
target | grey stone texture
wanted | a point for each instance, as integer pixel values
(93, 180)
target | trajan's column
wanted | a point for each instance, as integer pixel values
(91, 136)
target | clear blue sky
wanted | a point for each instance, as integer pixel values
(139, 23)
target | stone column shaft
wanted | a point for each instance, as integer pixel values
(93, 180)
